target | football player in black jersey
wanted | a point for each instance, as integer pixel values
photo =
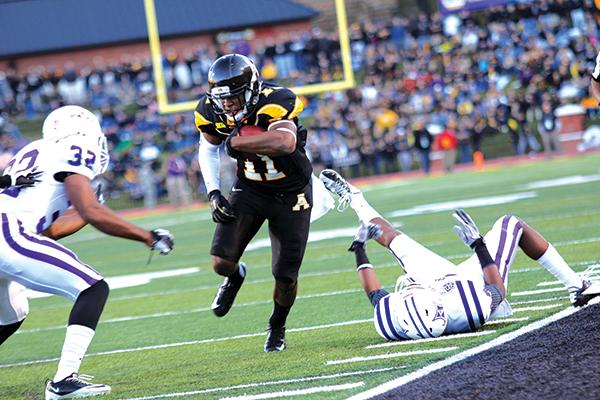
(273, 181)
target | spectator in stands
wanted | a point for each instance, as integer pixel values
(549, 129)
(422, 144)
(447, 143)
(176, 181)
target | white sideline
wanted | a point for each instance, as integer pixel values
(298, 392)
(403, 380)
(391, 355)
(267, 383)
(191, 342)
(437, 339)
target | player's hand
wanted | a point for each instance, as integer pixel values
(231, 152)
(466, 228)
(220, 207)
(28, 180)
(163, 242)
(366, 232)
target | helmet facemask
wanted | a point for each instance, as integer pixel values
(235, 78)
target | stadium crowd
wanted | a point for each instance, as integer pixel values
(425, 84)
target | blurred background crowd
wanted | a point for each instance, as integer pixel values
(429, 87)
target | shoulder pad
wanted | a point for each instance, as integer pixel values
(279, 103)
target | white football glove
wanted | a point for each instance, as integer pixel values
(466, 228)
(164, 241)
(367, 231)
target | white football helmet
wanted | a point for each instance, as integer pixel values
(77, 122)
(419, 311)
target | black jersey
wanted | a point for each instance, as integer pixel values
(287, 173)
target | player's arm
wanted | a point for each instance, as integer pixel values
(84, 201)
(469, 233)
(278, 140)
(210, 166)
(278, 114)
(67, 224)
(366, 274)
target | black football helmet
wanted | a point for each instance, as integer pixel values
(233, 75)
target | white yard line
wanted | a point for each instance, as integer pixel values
(403, 380)
(192, 342)
(267, 383)
(437, 339)
(391, 355)
(298, 392)
(537, 308)
(520, 303)
(195, 310)
(505, 320)
(538, 291)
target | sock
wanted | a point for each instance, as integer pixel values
(77, 340)
(279, 315)
(557, 266)
(238, 275)
(362, 208)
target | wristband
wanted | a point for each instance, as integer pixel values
(362, 261)
(485, 259)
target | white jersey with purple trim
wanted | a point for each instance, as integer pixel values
(467, 304)
(40, 205)
(466, 301)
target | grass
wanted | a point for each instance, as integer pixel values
(206, 356)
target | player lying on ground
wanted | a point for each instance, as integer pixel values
(71, 153)
(439, 297)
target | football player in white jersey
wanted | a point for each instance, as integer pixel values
(71, 153)
(435, 296)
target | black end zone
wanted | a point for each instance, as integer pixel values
(559, 361)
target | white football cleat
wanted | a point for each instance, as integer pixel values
(338, 185)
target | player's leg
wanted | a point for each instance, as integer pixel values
(289, 225)
(14, 307)
(419, 262)
(44, 265)
(536, 247)
(229, 242)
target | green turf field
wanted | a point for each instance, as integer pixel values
(159, 338)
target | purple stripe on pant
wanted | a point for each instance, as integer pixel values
(55, 246)
(513, 247)
(41, 256)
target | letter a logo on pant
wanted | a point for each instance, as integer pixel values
(301, 204)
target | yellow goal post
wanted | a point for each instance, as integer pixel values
(165, 107)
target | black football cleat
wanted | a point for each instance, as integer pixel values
(587, 292)
(74, 386)
(275, 339)
(227, 292)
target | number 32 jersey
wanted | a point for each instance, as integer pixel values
(282, 174)
(37, 207)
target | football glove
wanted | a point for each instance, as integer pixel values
(366, 232)
(163, 241)
(28, 180)
(230, 151)
(220, 207)
(466, 228)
